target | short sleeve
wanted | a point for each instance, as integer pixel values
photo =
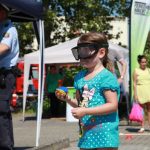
(115, 55)
(118, 56)
(110, 83)
(136, 70)
(8, 38)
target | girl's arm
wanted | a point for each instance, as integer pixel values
(135, 86)
(110, 106)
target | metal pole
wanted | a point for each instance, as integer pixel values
(39, 87)
(130, 61)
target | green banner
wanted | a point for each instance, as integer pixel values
(140, 27)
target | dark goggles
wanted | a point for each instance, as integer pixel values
(86, 50)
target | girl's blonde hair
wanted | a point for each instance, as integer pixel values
(99, 38)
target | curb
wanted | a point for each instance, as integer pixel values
(54, 146)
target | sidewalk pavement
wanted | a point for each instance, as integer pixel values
(57, 134)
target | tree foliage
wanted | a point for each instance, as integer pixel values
(66, 19)
(26, 35)
(89, 15)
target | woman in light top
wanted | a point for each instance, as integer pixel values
(141, 86)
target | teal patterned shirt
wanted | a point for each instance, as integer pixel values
(98, 131)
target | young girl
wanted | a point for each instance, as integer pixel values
(97, 93)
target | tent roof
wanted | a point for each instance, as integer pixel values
(23, 10)
(61, 53)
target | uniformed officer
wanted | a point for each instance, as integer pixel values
(9, 52)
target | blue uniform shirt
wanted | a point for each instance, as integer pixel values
(9, 36)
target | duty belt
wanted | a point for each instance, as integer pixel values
(14, 70)
(5, 71)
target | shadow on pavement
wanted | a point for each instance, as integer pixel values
(22, 148)
(132, 130)
(31, 118)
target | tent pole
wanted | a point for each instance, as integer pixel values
(39, 85)
(42, 70)
(26, 84)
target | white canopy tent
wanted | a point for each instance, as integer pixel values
(61, 53)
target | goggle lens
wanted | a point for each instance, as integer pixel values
(84, 52)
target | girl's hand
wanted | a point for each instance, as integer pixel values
(62, 96)
(79, 112)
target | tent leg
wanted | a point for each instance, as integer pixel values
(127, 106)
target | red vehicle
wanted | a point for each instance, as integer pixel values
(19, 80)
(18, 92)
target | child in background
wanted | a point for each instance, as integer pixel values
(97, 94)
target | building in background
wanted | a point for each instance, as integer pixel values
(120, 29)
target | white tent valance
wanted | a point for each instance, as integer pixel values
(61, 53)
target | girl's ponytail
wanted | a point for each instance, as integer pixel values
(107, 63)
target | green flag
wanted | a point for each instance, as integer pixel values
(140, 26)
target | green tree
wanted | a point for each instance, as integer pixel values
(89, 15)
(26, 35)
(79, 15)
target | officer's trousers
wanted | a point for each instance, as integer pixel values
(6, 128)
